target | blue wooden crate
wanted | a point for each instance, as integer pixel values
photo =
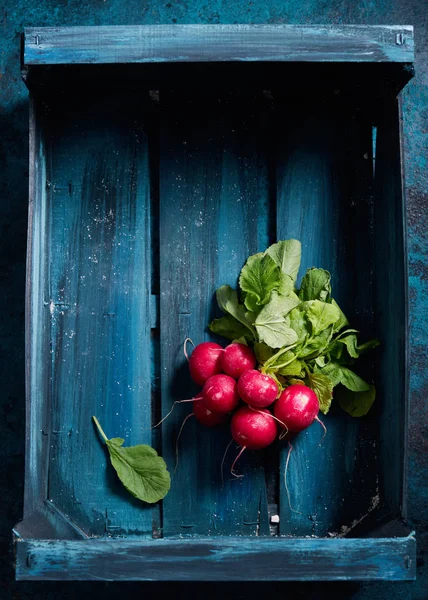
(161, 157)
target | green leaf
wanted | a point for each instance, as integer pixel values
(262, 352)
(323, 387)
(259, 277)
(287, 255)
(315, 285)
(357, 404)
(352, 381)
(350, 342)
(322, 315)
(230, 328)
(227, 299)
(315, 346)
(368, 346)
(294, 368)
(300, 323)
(240, 340)
(286, 284)
(333, 371)
(342, 321)
(142, 472)
(251, 303)
(271, 325)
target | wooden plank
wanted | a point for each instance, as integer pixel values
(213, 214)
(211, 43)
(226, 559)
(36, 325)
(319, 153)
(391, 292)
(100, 300)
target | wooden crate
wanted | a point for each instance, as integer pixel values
(161, 157)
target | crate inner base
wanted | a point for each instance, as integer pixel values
(153, 200)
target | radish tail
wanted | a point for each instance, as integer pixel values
(178, 438)
(290, 448)
(185, 347)
(234, 463)
(324, 427)
(222, 462)
(173, 406)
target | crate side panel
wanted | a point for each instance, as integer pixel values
(100, 307)
(37, 325)
(324, 183)
(383, 559)
(214, 213)
(391, 307)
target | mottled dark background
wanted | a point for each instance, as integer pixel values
(14, 16)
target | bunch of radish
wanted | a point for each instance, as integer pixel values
(232, 386)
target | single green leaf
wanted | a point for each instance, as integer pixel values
(286, 284)
(287, 255)
(271, 325)
(315, 285)
(294, 381)
(299, 322)
(259, 277)
(293, 369)
(227, 299)
(262, 352)
(230, 328)
(240, 340)
(251, 303)
(333, 371)
(357, 404)
(142, 472)
(322, 315)
(350, 342)
(362, 348)
(342, 321)
(323, 388)
(352, 381)
(320, 361)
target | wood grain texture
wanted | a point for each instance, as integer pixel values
(391, 295)
(208, 43)
(218, 560)
(37, 373)
(100, 307)
(213, 214)
(322, 199)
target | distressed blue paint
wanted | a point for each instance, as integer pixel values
(323, 193)
(99, 309)
(218, 560)
(194, 43)
(212, 215)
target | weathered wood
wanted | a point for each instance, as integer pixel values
(320, 190)
(213, 215)
(207, 43)
(228, 559)
(391, 302)
(37, 371)
(99, 309)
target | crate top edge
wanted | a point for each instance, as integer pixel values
(118, 44)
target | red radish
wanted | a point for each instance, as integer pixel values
(257, 389)
(220, 394)
(206, 416)
(253, 429)
(237, 358)
(297, 407)
(205, 361)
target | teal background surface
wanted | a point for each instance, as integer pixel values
(14, 16)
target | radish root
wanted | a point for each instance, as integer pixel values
(232, 468)
(173, 406)
(178, 438)
(290, 449)
(185, 347)
(324, 427)
(222, 462)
